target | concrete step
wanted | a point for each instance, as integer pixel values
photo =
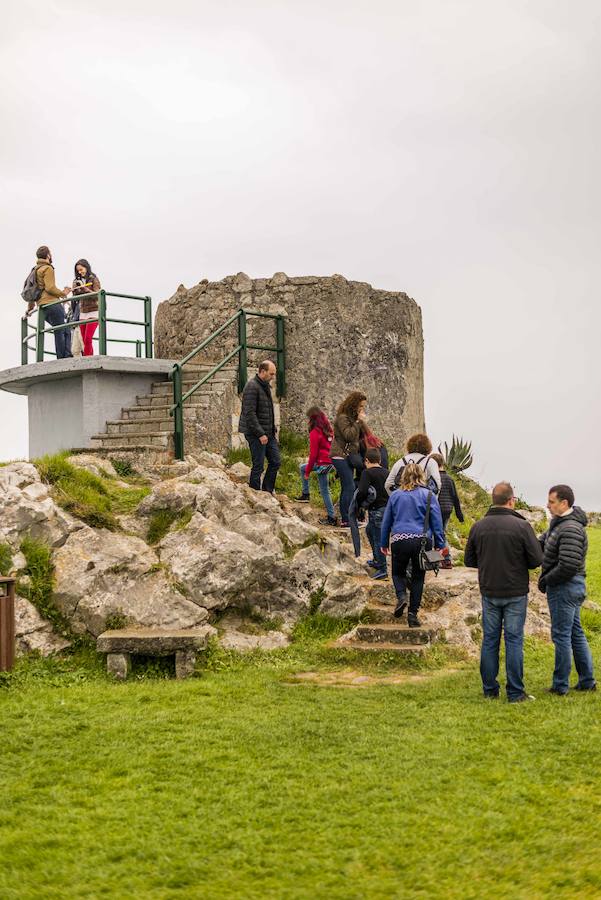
(405, 649)
(140, 426)
(390, 633)
(160, 411)
(211, 387)
(381, 613)
(200, 398)
(149, 438)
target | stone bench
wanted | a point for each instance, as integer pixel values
(121, 644)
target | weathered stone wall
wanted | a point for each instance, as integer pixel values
(340, 335)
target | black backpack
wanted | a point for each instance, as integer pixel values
(423, 462)
(31, 292)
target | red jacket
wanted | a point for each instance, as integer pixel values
(319, 450)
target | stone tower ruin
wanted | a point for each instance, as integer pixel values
(340, 336)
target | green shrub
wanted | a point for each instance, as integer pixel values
(124, 468)
(6, 559)
(162, 520)
(40, 588)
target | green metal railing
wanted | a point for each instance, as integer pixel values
(241, 351)
(29, 331)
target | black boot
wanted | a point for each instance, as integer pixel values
(401, 606)
(302, 498)
(412, 620)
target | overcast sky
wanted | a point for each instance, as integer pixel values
(446, 148)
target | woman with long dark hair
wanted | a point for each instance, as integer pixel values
(86, 282)
(320, 442)
(348, 427)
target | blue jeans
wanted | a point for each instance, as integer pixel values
(507, 614)
(373, 531)
(55, 315)
(324, 487)
(347, 482)
(564, 602)
(259, 451)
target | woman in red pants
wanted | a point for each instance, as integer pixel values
(85, 282)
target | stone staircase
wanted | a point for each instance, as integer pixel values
(382, 632)
(210, 417)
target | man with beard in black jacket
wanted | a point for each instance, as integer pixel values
(257, 423)
(562, 578)
(503, 547)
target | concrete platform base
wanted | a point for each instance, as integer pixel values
(72, 399)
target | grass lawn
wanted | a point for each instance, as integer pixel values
(249, 782)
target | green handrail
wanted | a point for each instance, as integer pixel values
(241, 350)
(103, 320)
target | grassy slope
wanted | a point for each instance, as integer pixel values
(240, 784)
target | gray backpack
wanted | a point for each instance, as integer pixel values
(31, 292)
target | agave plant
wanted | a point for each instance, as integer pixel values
(458, 457)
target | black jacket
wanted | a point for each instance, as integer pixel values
(448, 497)
(375, 477)
(564, 545)
(257, 417)
(503, 546)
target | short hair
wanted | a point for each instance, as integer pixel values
(419, 443)
(412, 476)
(438, 459)
(373, 455)
(502, 493)
(42, 252)
(264, 366)
(563, 492)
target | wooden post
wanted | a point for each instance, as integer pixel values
(7, 624)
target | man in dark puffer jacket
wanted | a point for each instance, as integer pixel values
(562, 578)
(257, 423)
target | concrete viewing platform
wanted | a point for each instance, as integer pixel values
(69, 400)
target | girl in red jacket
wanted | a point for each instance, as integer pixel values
(320, 441)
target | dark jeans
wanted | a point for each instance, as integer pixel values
(507, 614)
(402, 553)
(373, 531)
(564, 602)
(345, 473)
(55, 315)
(259, 451)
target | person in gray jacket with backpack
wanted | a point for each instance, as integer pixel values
(565, 545)
(257, 423)
(419, 450)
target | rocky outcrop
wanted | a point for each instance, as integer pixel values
(229, 548)
(340, 335)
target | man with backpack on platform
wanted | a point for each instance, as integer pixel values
(40, 288)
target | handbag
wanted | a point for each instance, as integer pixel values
(429, 560)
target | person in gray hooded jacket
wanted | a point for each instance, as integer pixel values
(565, 545)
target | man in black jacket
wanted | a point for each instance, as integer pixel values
(562, 578)
(503, 547)
(257, 423)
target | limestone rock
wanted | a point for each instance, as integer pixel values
(34, 632)
(242, 643)
(27, 509)
(239, 472)
(343, 597)
(94, 464)
(99, 573)
(173, 495)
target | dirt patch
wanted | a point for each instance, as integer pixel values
(353, 679)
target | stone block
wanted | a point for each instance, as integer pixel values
(185, 660)
(118, 665)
